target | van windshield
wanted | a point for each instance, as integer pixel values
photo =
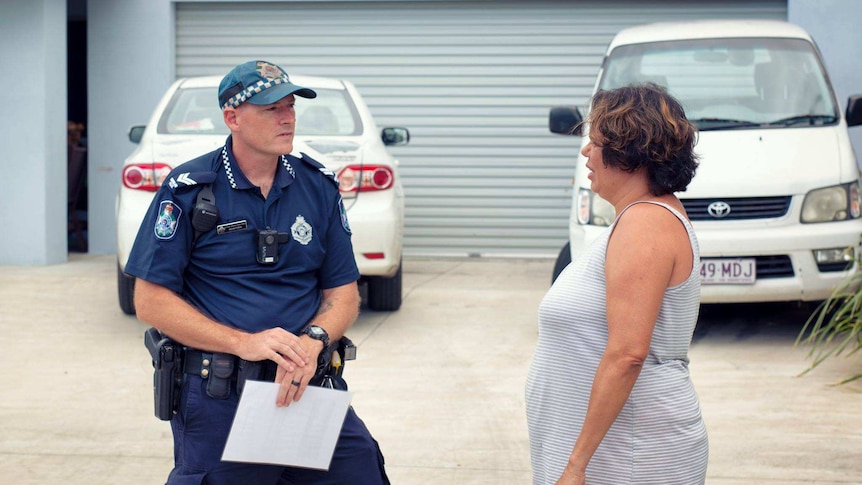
(193, 111)
(731, 83)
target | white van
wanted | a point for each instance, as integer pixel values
(776, 198)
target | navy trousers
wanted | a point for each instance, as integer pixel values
(200, 431)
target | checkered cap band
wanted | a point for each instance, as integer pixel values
(247, 93)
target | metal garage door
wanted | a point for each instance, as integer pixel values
(473, 82)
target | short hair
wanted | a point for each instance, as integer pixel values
(642, 126)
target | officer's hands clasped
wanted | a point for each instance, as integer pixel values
(279, 346)
(294, 381)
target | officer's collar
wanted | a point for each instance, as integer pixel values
(284, 176)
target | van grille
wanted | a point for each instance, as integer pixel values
(740, 208)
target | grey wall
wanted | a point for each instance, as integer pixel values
(834, 25)
(129, 66)
(33, 132)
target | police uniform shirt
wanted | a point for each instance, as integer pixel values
(219, 274)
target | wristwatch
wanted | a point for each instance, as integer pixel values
(317, 333)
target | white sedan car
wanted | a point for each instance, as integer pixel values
(336, 129)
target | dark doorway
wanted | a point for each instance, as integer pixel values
(76, 90)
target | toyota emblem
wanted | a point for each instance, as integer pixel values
(718, 209)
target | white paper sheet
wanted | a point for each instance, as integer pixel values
(302, 434)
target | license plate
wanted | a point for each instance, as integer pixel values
(728, 271)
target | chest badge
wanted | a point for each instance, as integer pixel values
(301, 231)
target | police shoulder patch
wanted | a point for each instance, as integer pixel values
(181, 181)
(320, 167)
(167, 220)
(344, 223)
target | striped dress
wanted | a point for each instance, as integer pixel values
(659, 436)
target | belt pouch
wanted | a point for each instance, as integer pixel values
(221, 371)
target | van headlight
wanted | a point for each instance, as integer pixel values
(594, 210)
(836, 203)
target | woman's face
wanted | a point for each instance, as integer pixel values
(599, 174)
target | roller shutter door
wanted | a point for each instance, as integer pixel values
(473, 82)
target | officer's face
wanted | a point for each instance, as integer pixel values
(267, 129)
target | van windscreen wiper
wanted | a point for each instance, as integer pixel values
(706, 124)
(804, 119)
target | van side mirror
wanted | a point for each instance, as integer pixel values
(135, 133)
(565, 120)
(853, 115)
(395, 136)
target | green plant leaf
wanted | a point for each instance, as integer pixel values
(835, 326)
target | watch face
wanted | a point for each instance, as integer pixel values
(316, 332)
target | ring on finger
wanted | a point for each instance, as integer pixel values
(295, 383)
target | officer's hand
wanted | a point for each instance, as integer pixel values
(293, 382)
(277, 345)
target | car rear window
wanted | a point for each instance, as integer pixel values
(193, 111)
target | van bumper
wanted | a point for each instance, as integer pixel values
(761, 239)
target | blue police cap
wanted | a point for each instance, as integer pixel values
(257, 82)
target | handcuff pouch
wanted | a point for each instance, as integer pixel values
(221, 373)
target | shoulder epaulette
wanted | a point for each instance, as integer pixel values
(179, 182)
(320, 167)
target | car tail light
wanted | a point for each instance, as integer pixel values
(364, 178)
(145, 176)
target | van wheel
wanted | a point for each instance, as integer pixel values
(563, 260)
(126, 291)
(384, 294)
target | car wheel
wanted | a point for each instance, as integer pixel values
(563, 260)
(384, 294)
(126, 291)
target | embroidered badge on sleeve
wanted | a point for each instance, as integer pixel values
(344, 223)
(168, 219)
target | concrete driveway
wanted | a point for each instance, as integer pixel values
(439, 383)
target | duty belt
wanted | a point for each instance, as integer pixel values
(198, 362)
(221, 371)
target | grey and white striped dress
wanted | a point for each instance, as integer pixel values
(659, 436)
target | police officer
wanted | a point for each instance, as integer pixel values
(273, 281)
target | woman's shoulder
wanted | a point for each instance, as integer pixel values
(653, 211)
(664, 222)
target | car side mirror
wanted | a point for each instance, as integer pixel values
(395, 136)
(565, 120)
(853, 114)
(136, 133)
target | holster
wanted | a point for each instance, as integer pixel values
(167, 358)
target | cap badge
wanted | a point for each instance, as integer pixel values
(269, 71)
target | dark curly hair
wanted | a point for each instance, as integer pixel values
(642, 126)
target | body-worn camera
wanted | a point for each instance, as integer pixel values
(267, 245)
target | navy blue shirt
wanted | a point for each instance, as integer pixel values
(219, 274)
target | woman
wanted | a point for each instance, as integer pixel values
(609, 399)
